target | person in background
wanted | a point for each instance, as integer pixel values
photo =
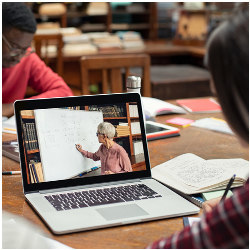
(114, 158)
(225, 224)
(21, 67)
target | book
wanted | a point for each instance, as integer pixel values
(199, 105)
(39, 171)
(153, 107)
(214, 194)
(179, 122)
(191, 174)
(10, 149)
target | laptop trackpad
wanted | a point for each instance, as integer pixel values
(121, 212)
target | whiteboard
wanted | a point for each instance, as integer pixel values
(58, 131)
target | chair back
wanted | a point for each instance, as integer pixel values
(50, 46)
(112, 68)
(54, 11)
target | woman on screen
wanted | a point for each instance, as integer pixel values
(114, 159)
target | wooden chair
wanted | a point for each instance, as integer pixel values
(111, 68)
(45, 40)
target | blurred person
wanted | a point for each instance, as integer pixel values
(225, 224)
(114, 158)
(20, 67)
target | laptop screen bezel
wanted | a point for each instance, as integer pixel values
(71, 102)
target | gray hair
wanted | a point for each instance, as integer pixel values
(107, 129)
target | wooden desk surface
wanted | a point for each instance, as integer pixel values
(205, 143)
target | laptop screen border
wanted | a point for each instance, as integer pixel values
(71, 102)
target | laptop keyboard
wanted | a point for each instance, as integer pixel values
(102, 196)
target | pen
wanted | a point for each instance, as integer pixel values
(11, 172)
(227, 188)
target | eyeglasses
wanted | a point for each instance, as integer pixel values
(99, 134)
(14, 51)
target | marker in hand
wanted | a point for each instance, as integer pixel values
(78, 146)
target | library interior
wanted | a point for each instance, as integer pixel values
(93, 48)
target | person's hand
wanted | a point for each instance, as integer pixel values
(79, 147)
(109, 172)
(7, 109)
(210, 204)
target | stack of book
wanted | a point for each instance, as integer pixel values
(111, 42)
(138, 147)
(131, 40)
(97, 8)
(36, 172)
(135, 128)
(10, 149)
(30, 136)
(133, 110)
(109, 111)
(122, 129)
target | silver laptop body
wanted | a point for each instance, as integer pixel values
(87, 199)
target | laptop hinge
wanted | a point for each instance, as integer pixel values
(31, 192)
(88, 186)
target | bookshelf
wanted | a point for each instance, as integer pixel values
(31, 148)
(120, 116)
(153, 20)
(108, 17)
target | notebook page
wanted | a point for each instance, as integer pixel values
(208, 173)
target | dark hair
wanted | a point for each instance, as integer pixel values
(228, 61)
(18, 15)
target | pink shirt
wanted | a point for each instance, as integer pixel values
(114, 159)
(32, 71)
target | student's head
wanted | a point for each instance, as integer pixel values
(105, 130)
(18, 28)
(228, 61)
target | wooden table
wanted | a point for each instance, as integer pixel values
(206, 144)
(160, 52)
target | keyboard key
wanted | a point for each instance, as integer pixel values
(101, 196)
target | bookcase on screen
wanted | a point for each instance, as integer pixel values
(125, 118)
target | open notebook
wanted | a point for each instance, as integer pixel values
(191, 174)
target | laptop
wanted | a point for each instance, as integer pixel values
(72, 192)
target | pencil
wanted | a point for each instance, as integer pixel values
(11, 172)
(227, 188)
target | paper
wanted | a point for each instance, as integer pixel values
(213, 124)
(9, 125)
(179, 121)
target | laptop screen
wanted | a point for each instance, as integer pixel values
(81, 140)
